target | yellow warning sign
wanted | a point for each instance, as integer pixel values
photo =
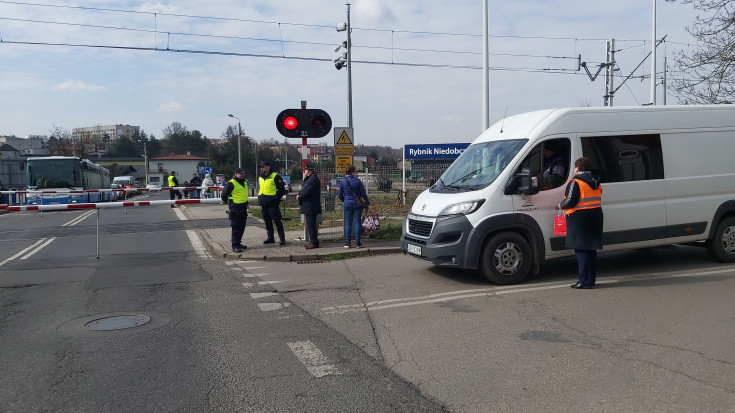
(344, 139)
(342, 163)
(344, 150)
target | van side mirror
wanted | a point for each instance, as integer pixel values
(524, 182)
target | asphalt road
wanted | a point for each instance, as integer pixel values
(657, 335)
(382, 333)
(156, 324)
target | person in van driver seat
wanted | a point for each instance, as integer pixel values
(555, 169)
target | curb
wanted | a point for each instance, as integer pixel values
(312, 257)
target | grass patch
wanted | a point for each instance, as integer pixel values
(388, 231)
(341, 256)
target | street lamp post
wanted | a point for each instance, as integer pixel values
(239, 138)
(346, 60)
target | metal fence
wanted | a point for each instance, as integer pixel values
(391, 192)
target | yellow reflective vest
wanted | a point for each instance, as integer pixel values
(239, 193)
(268, 185)
(171, 182)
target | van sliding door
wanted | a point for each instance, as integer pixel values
(631, 170)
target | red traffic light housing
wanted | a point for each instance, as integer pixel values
(303, 123)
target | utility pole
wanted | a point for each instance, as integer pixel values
(485, 69)
(653, 57)
(610, 72)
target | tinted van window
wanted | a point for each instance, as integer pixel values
(625, 158)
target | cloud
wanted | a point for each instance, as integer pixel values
(374, 12)
(169, 107)
(76, 86)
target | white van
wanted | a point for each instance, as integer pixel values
(126, 182)
(668, 177)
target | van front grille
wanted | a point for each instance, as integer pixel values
(420, 228)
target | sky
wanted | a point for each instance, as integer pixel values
(416, 71)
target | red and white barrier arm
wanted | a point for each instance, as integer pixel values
(189, 188)
(105, 205)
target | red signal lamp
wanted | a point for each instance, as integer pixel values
(290, 123)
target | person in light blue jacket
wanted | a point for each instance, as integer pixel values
(350, 188)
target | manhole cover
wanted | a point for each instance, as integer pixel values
(117, 322)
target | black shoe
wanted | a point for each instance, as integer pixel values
(236, 249)
(582, 287)
(283, 242)
(269, 241)
(173, 206)
(244, 247)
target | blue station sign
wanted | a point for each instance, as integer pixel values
(434, 150)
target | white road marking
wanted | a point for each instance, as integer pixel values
(271, 282)
(256, 296)
(252, 268)
(25, 250)
(273, 306)
(79, 219)
(503, 290)
(247, 275)
(229, 263)
(247, 285)
(39, 248)
(313, 359)
(197, 244)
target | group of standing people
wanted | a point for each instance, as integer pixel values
(235, 194)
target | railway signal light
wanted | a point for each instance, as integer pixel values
(303, 123)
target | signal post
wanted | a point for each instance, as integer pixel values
(303, 123)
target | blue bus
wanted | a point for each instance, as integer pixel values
(66, 180)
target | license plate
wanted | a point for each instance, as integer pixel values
(413, 249)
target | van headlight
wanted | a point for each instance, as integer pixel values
(462, 208)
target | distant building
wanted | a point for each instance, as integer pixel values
(30, 145)
(7, 151)
(113, 131)
(184, 165)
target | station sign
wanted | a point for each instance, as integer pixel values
(435, 151)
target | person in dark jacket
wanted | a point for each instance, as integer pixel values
(583, 207)
(235, 195)
(271, 191)
(173, 182)
(350, 187)
(310, 204)
(195, 181)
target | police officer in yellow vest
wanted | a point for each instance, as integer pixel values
(235, 195)
(270, 194)
(172, 183)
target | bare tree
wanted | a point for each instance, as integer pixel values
(706, 73)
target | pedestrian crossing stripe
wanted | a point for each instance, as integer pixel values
(344, 139)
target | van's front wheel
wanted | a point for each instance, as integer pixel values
(506, 259)
(722, 247)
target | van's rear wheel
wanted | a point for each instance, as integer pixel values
(722, 247)
(506, 259)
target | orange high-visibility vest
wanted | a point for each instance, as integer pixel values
(588, 198)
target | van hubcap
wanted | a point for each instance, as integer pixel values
(507, 258)
(728, 240)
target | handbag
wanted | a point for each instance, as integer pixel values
(370, 223)
(360, 200)
(560, 223)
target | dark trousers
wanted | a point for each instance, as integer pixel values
(311, 229)
(174, 193)
(587, 262)
(271, 214)
(238, 220)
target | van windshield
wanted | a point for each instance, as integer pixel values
(478, 166)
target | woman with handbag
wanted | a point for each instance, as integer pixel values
(354, 198)
(583, 207)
